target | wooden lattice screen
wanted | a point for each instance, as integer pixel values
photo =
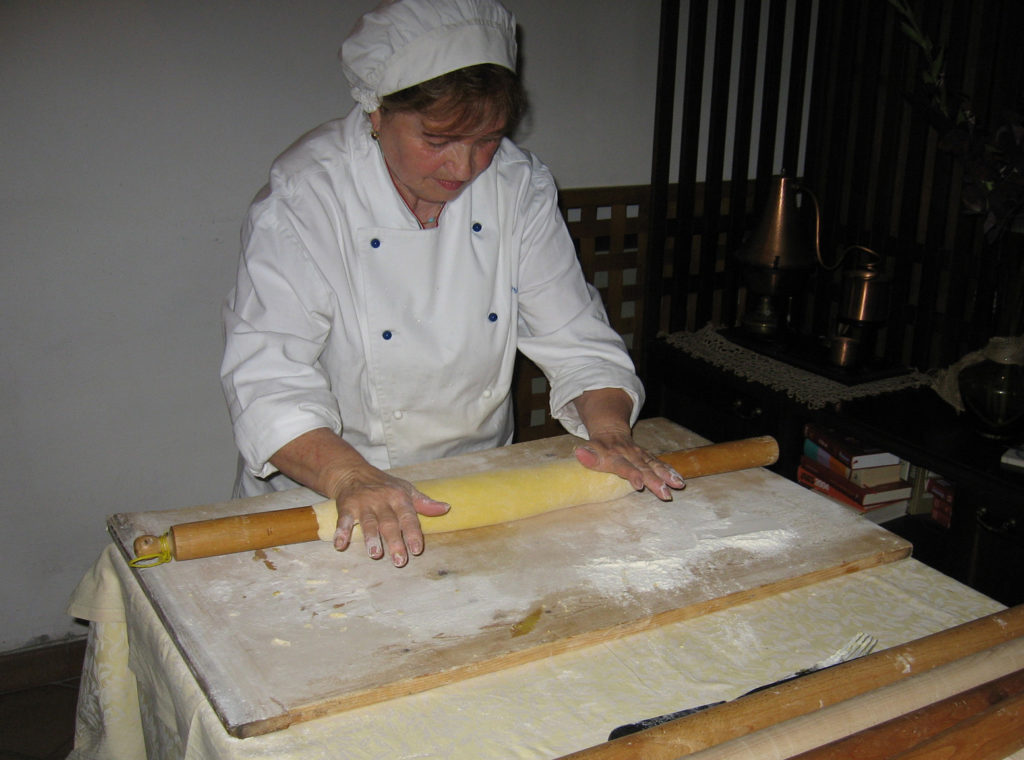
(850, 134)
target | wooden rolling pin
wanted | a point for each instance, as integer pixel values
(509, 494)
(785, 740)
(939, 721)
(993, 734)
(810, 693)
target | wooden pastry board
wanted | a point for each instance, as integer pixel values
(298, 632)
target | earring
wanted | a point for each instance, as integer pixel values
(374, 134)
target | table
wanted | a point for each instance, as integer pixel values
(735, 391)
(139, 698)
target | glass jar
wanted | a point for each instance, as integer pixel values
(992, 389)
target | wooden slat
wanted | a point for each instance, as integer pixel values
(770, 99)
(714, 154)
(689, 147)
(740, 197)
(797, 84)
(821, 143)
(654, 282)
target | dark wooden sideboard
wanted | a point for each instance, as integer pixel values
(984, 543)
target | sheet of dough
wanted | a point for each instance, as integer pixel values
(489, 498)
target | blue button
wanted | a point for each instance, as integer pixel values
(375, 243)
(493, 317)
(386, 335)
(477, 226)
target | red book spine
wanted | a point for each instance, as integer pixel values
(805, 477)
(942, 488)
(942, 512)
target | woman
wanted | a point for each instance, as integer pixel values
(390, 270)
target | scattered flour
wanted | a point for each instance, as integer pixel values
(637, 563)
(662, 569)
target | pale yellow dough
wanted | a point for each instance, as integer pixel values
(489, 498)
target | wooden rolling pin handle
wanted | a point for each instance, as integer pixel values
(239, 533)
(146, 546)
(730, 456)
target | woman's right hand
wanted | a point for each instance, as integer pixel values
(387, 509)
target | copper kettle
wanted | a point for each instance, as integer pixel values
(776, 258)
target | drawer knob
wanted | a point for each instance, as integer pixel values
(745, 410)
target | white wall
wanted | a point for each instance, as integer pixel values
(132, 135)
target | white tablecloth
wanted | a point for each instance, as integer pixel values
(139, 700)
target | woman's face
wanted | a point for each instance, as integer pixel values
(428, 160)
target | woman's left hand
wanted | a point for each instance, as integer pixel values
(606, 413)
(616, 452)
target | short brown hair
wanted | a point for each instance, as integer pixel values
(465, 98)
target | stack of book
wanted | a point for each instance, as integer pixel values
(863, 478)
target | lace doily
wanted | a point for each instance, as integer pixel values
(812, 390)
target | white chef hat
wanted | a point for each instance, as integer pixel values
(405, 42)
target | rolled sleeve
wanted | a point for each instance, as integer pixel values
(584, 354)
(563, 325)
(276, 323)
(273, 421)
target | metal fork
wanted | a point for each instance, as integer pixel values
(858, 646)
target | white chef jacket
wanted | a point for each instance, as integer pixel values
(347, 315)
